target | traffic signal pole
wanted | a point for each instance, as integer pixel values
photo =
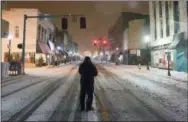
(24, 31)
(23, 48)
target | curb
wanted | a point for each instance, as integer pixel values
(11, 78)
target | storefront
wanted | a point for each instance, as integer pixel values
(160, 58)
(42, 54)
(177, 51)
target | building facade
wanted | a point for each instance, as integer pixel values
(168, 33)
(38, 33)
(135, 45)
(65, 42)
(123, 36)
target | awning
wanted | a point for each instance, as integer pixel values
(44, 48)
(176, 39)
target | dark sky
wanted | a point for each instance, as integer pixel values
(100, 16)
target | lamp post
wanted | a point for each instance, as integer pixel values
(168, 58)
(147, 39)
(9, 46)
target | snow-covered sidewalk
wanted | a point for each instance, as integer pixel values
(173, 101)
(183, 76)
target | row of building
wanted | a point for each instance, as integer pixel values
(43, 38)
(167, 29)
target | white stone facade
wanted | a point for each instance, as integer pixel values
(167, 18)
(156, 20)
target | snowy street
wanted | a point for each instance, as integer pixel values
(122, 93)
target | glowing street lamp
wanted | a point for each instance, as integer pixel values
(117, 48)
(10, 37)
(59, 48)
(147, 39)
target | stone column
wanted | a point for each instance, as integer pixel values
(164, 18)
(171, 17)
(183, 15)
(158, 27)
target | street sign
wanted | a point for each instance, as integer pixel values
(138, 53)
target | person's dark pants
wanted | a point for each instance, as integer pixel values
(89, 91)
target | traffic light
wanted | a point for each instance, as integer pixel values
(19, 46)
(95, 43)
(64, 23)
(82, 22)
(104, 42)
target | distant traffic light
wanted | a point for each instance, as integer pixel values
(19, 46)
(82, 22)
(105, 43)
(95, 43)
(64, 23)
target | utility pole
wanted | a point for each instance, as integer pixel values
(168, 58)
(148, 51)
(23, 47)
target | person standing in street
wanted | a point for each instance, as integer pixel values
(87, 71)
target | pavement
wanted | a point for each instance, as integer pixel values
(121, 94)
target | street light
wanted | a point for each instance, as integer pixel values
(59, 48)
(147, 39)
(117, 48)
(9, 46)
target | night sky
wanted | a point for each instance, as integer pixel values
(100, 16)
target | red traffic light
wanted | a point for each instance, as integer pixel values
(104, 42)
(95, 43)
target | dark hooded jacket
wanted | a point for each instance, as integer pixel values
(87, 71)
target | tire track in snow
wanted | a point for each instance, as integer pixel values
(16, 80)
(142, 103)
(22, 88)
(26, 111)
(170, 111)
(63, 111)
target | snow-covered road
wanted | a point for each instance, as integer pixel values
(121, 94)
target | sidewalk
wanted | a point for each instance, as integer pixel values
(162, 72)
